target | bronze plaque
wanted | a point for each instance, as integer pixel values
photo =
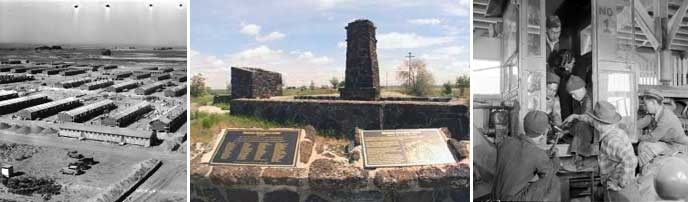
(257, 147)
(405, 147)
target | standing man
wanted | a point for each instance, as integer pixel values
(665, 136)
(617, 160)
(520, 159)
(553, 32)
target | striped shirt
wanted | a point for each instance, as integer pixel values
(617, 159)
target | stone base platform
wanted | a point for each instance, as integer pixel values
(360, 93)
(342, 116)
(410, 98)
(327, 172)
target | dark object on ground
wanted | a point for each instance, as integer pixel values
(28, 185)
(74, 154)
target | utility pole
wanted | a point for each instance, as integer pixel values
(410, 71)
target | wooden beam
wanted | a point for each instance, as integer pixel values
(676, 20)
(646, 24)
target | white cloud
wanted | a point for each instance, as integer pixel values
(341, 44)
(254, 31)
(250, 29)
(395, 40)
(297, 67)
(270, 37)
(425, 21)
(338, 4)
(309, 57)
(214, 69)
(459, 8)
(329, 4)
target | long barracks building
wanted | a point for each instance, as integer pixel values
(87, 112)
(13, 105)
(128, 115)
(48, 109)
(106, 134)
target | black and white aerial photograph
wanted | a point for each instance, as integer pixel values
(93, 100)
(580, 100)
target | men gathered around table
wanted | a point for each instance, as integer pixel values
(663, 134)
(519, 159)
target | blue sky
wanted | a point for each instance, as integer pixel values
(304, 39)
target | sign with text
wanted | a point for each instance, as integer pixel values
(405, 147)
(257, 147)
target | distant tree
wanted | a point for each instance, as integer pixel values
(334, 82)
(198, 87)
(106, 52)
(416, 79)
(463, 82)
(312, 86)
(447, 89)
(341, 84)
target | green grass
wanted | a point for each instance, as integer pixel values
(316, 91)
(204, 126)
(223, 106)
(202, 100)
(435, 92)
(218, 91)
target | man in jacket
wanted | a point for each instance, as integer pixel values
(520, 159)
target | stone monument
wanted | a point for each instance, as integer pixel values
(362, 80)
(249, 82)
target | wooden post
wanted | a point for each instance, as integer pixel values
(661, 25)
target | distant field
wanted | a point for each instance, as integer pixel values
(390, 91)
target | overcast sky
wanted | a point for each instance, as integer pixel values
(126, 22)
(305, 39)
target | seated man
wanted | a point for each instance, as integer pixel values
(519, 159)
(584, 144)
(617, 160)
(553, 105)
(665, 136)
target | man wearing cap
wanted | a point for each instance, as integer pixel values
(584, 142)
(665, 136)
(520, 159)
(617, 160)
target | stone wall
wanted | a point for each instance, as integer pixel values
(325, 172)
(255, 83)
(343, 116)
(222, 98)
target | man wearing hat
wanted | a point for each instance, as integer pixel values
(584, 142)
(520, 159)
(617, 160)
(665, 136)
